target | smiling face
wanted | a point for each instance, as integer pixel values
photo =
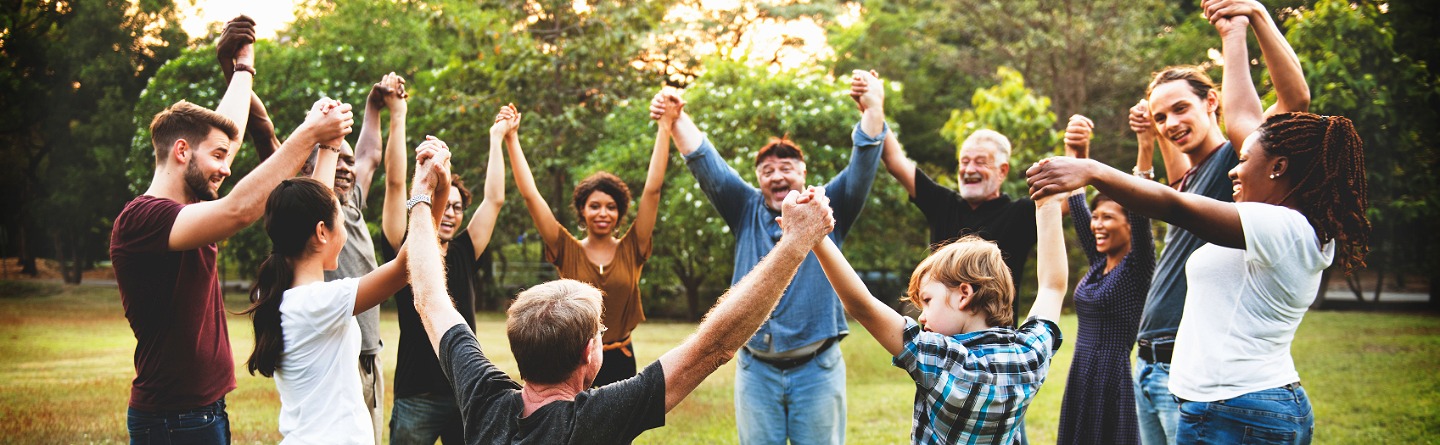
(1186, 119)
(1111, 228)
(981, 172)
(601, 214)
(1250, 179)
(453, 216)
(777, 177)
(206, 170)
(939, 307)
(345, 172)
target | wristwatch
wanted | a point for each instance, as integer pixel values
(410, 204)
(1143, 174)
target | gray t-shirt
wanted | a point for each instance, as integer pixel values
(490, 403)
(357, 258)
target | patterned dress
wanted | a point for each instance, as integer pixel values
(1099, 406)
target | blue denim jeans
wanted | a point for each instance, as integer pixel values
(805, 404)
(208, 424)
(420, 419)
(1159, 415)
(1270, 416)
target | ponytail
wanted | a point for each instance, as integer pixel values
(291, 212)
(274, 278)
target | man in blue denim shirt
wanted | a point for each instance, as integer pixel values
(790, 382)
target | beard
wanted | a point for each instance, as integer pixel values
(198, 184)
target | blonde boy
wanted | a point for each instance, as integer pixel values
(974, 376)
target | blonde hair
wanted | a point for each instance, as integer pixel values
(976, 261)
(549, 326)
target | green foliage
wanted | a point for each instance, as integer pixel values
(1015, 111)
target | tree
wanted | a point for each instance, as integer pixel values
(73, 72)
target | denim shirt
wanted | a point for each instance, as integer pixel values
(1166, 301)
(809, 311)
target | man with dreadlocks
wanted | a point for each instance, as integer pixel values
(1300, 205)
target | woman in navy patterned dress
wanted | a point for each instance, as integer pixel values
(1099, 406)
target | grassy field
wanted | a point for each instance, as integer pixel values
(65, 368)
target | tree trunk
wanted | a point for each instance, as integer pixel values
(27, 256)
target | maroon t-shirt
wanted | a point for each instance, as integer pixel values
(173, 302)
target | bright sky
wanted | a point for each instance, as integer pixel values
(270, 15)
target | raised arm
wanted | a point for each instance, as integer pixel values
(1051, 269)
(482, 223)
(655, 178)
(378, 285)
(392, 212)
(261, 129)
(203, 223)
(235, 104)
(1213, 221)
(740, 312)
(883, 323)
(1292, 93)
(669, 110)
(325, 164)
(426, 265)
(545, 221)
(368, 151)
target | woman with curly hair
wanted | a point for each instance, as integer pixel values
(600, 258)
(1299, 206)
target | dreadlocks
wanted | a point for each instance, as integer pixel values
(1331, 188)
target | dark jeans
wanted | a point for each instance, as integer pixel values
(619, 365)
(420, 419)
(204, 425)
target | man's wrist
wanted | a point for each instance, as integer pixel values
(417, 200)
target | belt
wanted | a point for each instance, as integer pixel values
(791, 362)
(621, 346)
(1289, 387)
(1156, 350)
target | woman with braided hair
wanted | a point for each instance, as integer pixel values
(1300, 205)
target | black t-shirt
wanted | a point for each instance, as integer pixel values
(490, 402)
(1009, 223)
(416, 369)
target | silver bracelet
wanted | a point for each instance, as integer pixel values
(1144, 174)
(417, 199)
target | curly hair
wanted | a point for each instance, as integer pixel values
(606, 183)
(1331, 187)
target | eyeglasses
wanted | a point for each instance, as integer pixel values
(457, 208)
(602, 330)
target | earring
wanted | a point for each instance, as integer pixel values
(1274, 175)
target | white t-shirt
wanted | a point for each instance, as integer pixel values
(318, 376)
(1243, 306)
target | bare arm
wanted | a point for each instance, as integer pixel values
(392, 213)
(899, 165)
(426, 267)
(262, 129)
(1243, 110)
(1213, 221)
(482, 223)
(1050, 264)
(203, 223)
(741, 311)
(235, 104)
(368, 152)
(545, 222)
(886, 325)
(378, 285)
(1292, 93)
(325, 165)
(654, 182)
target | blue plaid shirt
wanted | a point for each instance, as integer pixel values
(973, 388)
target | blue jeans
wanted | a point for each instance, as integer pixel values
(1159, 415)
(204, 425)
(1270, 416)
(420, 419)
(805, 404)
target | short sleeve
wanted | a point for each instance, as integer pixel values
(624, 409)
(1274, 233)
(146, 223)
(1041, 335)
(564, 246)
(918, 355)
(474, 379)
(641, 250)
(325, 305)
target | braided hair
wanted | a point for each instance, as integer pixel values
(1329, 159)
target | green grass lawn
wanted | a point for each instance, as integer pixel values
(65, 370)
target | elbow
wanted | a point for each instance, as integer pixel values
(1302, 100)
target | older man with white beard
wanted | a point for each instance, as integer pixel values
(977, 207)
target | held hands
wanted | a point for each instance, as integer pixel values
(1140, 121)
(666, 107)
(1058, 176)
(389, 92)
(238, 33)
(1077, 136)
(507, 121)
(807, 216)
(1231, 16)
(432, 167)
(867, 89)
(330, 119)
